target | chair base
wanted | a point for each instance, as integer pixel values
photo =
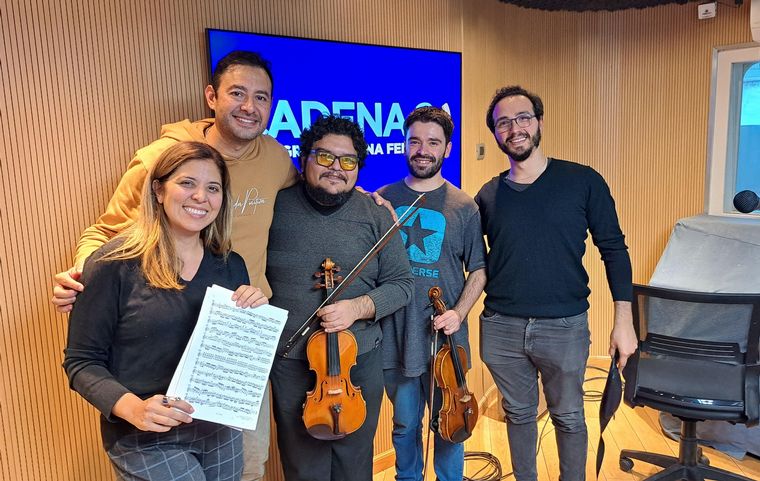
(690, 465)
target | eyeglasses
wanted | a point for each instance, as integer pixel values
(522, 120)
(327, 159)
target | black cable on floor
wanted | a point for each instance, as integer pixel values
(491, 469)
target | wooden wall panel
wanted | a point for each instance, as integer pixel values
(482, 73)
(86, 82)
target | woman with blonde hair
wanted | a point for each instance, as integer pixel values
(128, 329)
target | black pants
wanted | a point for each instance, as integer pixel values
(305, 458)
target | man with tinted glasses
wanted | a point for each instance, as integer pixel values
(443, 239)
(536, 216)
(323, 217)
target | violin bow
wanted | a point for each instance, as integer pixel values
(379, 245)
(431, 389)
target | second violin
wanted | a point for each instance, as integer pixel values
(459, 410)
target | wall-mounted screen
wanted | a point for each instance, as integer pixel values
(375, 86)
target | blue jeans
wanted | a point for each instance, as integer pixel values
(409, 396)
(515, 350)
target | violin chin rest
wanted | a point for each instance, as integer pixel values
(460, 436)
(324, 432)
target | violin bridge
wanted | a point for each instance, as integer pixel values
(334, 392)
(465, 398)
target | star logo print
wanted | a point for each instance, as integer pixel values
(423, 235)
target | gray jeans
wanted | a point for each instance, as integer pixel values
(516, 349)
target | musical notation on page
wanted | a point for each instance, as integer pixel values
(225, 367)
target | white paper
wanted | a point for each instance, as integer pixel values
(224, 369)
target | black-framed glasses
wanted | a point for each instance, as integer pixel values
(522, 120)
(327, 159)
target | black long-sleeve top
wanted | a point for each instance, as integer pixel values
(125, 336)
(537, 241)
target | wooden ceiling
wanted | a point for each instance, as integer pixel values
(592, 5)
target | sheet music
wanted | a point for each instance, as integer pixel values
(224, 369)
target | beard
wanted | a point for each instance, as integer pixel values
(519, 156)
(424, 172)
(327, 199)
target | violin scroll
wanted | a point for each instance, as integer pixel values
(327, 274)
(435, 295)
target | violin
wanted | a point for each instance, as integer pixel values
(459, 411)
(335, 407)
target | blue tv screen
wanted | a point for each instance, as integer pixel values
(374, 85)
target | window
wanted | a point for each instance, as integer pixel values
(748, 155)
(734, 127)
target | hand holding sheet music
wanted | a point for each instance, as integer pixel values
(224, 369)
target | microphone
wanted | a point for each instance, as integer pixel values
(746, 201)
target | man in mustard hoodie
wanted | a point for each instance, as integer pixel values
(240, 95)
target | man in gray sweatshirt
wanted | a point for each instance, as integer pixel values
(321, 217)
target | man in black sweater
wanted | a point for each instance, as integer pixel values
(536, 216)
(323, 216)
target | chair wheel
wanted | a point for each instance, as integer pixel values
(626, 464)
(702, 458)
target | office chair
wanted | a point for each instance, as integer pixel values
(698, 360)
